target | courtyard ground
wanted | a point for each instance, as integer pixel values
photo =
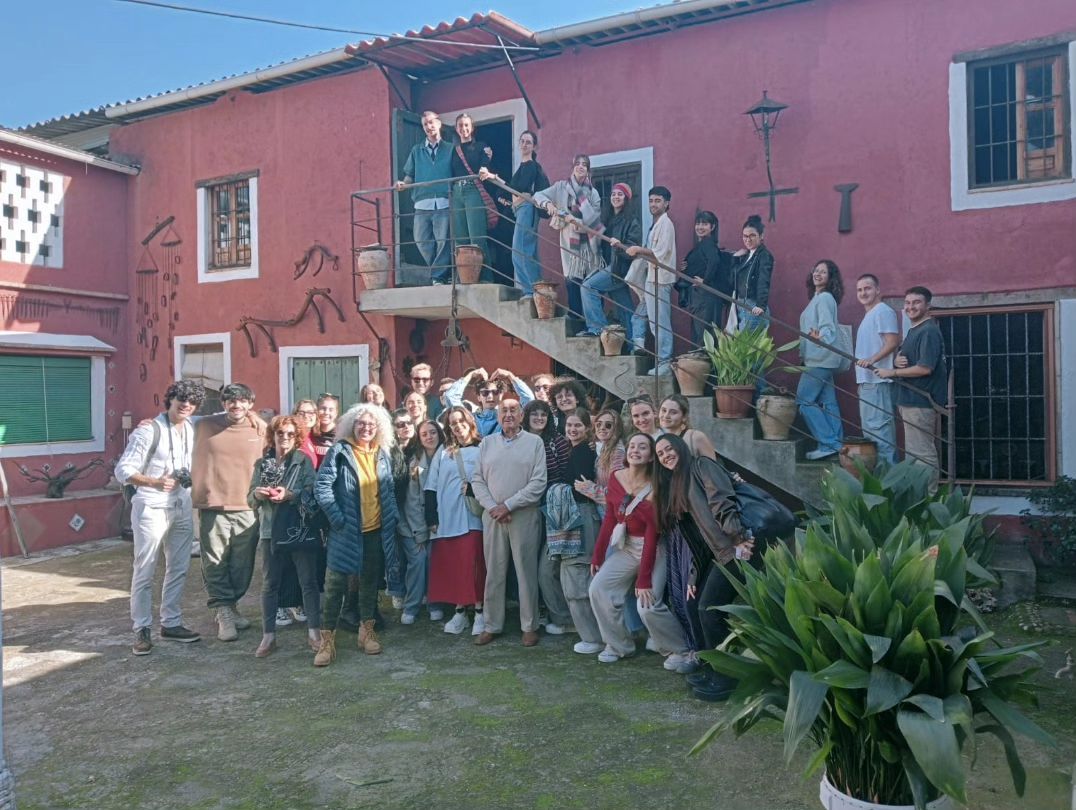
(432, 723)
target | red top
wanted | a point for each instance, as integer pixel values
(642, 522)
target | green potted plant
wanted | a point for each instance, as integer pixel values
(739, 361)
(867, 644)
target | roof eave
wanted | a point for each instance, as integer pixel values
(58, 150)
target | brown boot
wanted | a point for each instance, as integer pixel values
(369, 643)
(327, 651)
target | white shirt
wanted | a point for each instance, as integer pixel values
(453, 517)
(880, 320)
(173, 453)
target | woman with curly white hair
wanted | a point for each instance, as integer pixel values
(355, 491)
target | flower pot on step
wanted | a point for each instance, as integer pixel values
(613, 339)
(776, 413)
(373, 266)
(858, 449)
(833, 799)
(691, 371)
(545, 299)
(733, 401)
(469, 263)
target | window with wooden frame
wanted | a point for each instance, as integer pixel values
(1004, 397)
(229, 224)
(1018, 119)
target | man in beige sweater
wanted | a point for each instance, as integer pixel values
(226, 446)
(509, 483)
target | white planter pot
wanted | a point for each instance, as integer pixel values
(833, 799)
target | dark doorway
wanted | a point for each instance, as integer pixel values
(498, 136)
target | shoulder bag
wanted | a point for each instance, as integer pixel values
(473, 506)
(620, 531)
(492, 215)
(766, 517)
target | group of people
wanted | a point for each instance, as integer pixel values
(610, 529)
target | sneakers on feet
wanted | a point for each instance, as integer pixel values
(457, 624)
(298, 614)
(179, 633)
(607, 656)
(653, 646)
(587, 647)
(479, 625)
(283, 618)
(241, 622)
(437, 615)
(143, 643)
(397, 603)
(674, 662)
(819, 454)
(554, 629)
(407, 618)
(660, 370)
(226, 629)
(196, 550)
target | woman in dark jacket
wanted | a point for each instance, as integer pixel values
(283, 477)
(709, 265)
(752, 271)
(468, 207)
(622, 224)
(699, 516)
(356, 491)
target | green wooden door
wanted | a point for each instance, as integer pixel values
(313, 376)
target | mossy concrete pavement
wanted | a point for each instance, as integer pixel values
(434, 722)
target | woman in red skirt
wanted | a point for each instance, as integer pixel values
(457, 566)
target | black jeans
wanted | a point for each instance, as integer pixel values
(273, 567)
(373, 569)
(716, 592)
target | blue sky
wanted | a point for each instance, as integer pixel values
(64, 56)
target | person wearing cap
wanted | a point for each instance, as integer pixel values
(621, 224)
(656, 306)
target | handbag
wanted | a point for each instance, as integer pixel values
(766, 517)
(620, 530)
(470, 501)
(732, 325)
(844, 343)
(493, 216)
(297, 523)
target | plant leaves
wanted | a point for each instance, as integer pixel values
(805, 698)
(886, 690)
(879, 646)
(1016, 767)
(1011, 718)
(933, 706)
(936, 751)
(844, 675)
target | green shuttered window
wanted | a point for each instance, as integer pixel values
(44, 399)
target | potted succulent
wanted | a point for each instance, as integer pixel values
(867, 644)
(739, 361)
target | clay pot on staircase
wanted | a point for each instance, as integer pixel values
(469, 263)
(691, 371)
(733, 401)
(858, 449)
(776, 413)
(613, 339)
(545, 299)
(373, 265)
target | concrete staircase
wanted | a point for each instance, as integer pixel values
(778, 463)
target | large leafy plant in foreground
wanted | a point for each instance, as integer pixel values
(868, 646)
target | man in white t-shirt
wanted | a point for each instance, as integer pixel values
(877, 340)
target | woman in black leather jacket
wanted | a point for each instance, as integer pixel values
(752, 269)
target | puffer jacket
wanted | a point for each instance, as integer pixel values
(337, 492)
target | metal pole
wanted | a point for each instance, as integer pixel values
(7, 781)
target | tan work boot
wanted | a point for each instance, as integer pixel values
(369, 643)
(327, 651)
(226, 625)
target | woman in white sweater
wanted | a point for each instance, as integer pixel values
(815, 395)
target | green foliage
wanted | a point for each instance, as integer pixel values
(739, 359)
(1056, 518)
(860, 639)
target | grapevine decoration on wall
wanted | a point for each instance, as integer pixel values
(56, 484)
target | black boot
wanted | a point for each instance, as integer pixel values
(703, 676)
(717, 690)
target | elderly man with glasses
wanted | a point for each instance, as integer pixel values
(422, 383)
(491, 388)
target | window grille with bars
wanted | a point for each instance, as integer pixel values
(1018, 119)
(229, 224)
(1002, 366)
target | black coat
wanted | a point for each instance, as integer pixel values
(629, 231)
(752, 278)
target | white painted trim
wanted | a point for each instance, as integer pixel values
(513, 108)
(180, 341)
(645, 158)
(97, 424)
(1066, 387)
(70, 153)
(290, 353)
(205, 275)
(1001, 505)
(965, 199)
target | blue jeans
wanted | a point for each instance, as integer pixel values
(525, 249)
(817, 400)
(613, 288)
(878, 419)
(418, 565)
(655, 309)
(748, 320)
(431, 237)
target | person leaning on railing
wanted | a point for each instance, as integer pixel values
(706, 264)
(815, 394)
(655, 307)
(468, 208)
(622, 224)
(428, 161)
(752, 272)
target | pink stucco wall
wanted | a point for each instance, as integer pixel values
(312, 144)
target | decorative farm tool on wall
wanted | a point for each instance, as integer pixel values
(314, 260)
(248, 324)
(764, 116)
(158, 282)
(20, 308)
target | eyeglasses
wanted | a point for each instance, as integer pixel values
(286, 434)
(545, 387)
(307, 413)
(366, 425)
(604, 424)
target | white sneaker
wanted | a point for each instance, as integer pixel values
(196, 549)
(397, 603)
(607, 656)
(672, 662)
(407, 618)
(283, 618)
(437, 615)
(298, 614)
(479, 624)
(660, 370)
(554, 629)
(457, 624)
(653, 646)
(587, 647)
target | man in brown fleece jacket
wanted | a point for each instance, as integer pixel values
(226, 447)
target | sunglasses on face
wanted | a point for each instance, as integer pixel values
(286, 434)
(420, 379)
(402, 425)
(489, 392)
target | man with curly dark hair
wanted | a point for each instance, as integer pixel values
(156, 466)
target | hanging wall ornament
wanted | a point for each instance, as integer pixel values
(314, 260)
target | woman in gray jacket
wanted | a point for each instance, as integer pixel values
(815, 395)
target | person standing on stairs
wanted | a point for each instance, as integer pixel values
(706, 264)
(622, 225)
(431, 160)
(815, 394)
(655, 308)
(877, 340)
(468, 208)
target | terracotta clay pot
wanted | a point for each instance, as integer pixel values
(733, 401)
(545, 299)
(469, 263)
(775, 416)
(863, 450)
(373, 266)
(613, 339)
(691, 371)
